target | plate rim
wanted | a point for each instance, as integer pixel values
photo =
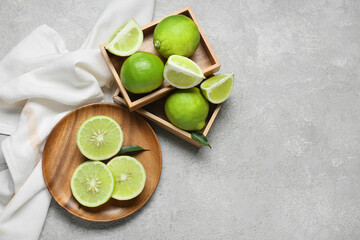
(146, 199)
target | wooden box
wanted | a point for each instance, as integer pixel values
(155, 112)
(204, 56)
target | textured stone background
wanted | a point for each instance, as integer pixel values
(285, 158)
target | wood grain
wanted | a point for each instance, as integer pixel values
(204, 56)
(61, 157)
(155, 112)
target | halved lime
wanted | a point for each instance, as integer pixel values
(218, 88)
(99, 138)
(126, 40)
(92, 183)
(129, 176)
(181, 72)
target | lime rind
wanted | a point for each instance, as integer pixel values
(176, 35)
(187, 109)
(181, 72)
(126, 40)
(92, 184)
(111, 134)
(127, 172)
(218, 88)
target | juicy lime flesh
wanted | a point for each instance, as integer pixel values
(213, 80)
(218, 88)
(92, 183)
(180, 79)
(126, 40)
(99, 138)
(222, 91)
(187, 64)
(130, 177)
(181, 72)
(176, 35)
(142, 72)
(187, 109)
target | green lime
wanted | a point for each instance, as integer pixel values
(92, 183)
(126, 40)
(142, 72)
(181, 72)
(176, 35)
(130, 177)
(187, 109)
(218, 88)
(99, 138)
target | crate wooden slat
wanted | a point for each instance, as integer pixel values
(204, 56)
(155, 112)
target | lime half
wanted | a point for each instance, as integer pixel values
(99, 138)
(126, 40)
(92, 183)
(181, 72)
(218, 88)
(129, 176)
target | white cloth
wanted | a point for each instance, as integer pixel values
(41, 81)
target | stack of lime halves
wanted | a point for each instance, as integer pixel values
(93, 183)
(176, 38)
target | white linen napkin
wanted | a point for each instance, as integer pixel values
(40, 82)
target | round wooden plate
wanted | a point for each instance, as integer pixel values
(61, 157)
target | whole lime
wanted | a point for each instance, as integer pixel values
(187, 109)
(142, 72)
(176, 35)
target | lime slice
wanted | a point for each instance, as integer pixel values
(218, 88)
(126, 40)
(92, 183)
(99, 138)
(181, 72)
(129, 176)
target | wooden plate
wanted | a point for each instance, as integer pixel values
(61, 157)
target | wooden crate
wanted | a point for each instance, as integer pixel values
(204, 56)
(155, 112)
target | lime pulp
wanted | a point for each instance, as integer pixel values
(130, 177)
(181, 72)
(218, 88)
(92, 183)
(99, 138)
(126, 40)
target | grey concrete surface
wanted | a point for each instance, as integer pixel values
(285, 160)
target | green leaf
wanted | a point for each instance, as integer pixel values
(131, 148)
(200, 138)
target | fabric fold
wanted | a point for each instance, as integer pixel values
(40, 82)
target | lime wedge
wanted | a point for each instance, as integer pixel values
(218, 88)
(99, 138)
(181, 72)
(126, 40)
(92, 183)
(129, 176)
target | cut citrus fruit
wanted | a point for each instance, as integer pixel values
(181, 72)
(129, 176)
(218, 88)
(92, 183)
(126, 40)
(99, 138)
